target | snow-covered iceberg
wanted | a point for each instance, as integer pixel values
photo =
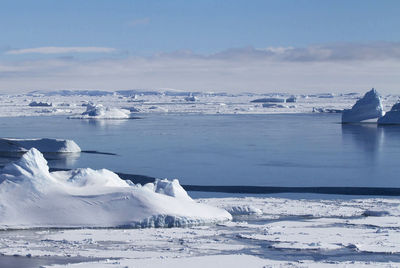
(368, 107)
(45, 145)
(98, 111)
(392, 117)
(31, 196)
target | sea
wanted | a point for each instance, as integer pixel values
(269, 150)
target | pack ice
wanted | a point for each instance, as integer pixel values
(368, 107)
(44, 145)
(392, 117)
(31, 196)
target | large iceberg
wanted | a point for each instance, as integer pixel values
(392, 117)
(31, 196)
(368, 107)
(44, 145)
(98, 111)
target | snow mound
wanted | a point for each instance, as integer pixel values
(368, 107)
(98, 111)
(44, 145)
(392, 117)
(31, 197)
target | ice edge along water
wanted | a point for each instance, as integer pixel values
(33, 197)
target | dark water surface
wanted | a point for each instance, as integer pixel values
(294, 150)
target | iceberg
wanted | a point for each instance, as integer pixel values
(40, 104)
(392, 117)
(44, 145)
(279, 100)
(33, 197)
(98, 111)
(366, 108)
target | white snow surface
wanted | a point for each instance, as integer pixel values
(282, 233)
(367, 108)
(31, 196)
(45, 145)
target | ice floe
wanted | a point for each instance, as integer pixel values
(45, 145)
(98, 111)
(31, 196)
(367, 108)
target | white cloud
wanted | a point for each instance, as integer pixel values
(331, 68)
(60, 50)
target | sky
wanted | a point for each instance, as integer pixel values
(222, 46)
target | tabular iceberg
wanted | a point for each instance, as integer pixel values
(31, 196)
(369, 107)
(44, 145)
(392, 117)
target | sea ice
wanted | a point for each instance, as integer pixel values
(31, 196)
(392, 117)
(369, 107)
(44, 145)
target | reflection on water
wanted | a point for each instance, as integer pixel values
(368, 137)
(372, 140)
(103, 123)
(54, 159)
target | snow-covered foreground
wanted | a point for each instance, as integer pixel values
(265, 232)
(117, 104)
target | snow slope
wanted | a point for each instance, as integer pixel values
(44, 145)
(369, 107)
(31, 196)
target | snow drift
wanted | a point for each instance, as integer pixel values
(31, 196)
(44, 145)
(98, 111)
(368, 107)
(392, 117)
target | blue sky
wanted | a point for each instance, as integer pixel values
(120, 31)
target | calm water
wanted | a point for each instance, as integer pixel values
(260, 150)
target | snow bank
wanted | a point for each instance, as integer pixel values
(369, 107)
(44, 145)
(392, 117)
(31, 196)
(98, 111)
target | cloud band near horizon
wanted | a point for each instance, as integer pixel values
(60, 50)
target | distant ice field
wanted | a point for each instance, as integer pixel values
(292, 150)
